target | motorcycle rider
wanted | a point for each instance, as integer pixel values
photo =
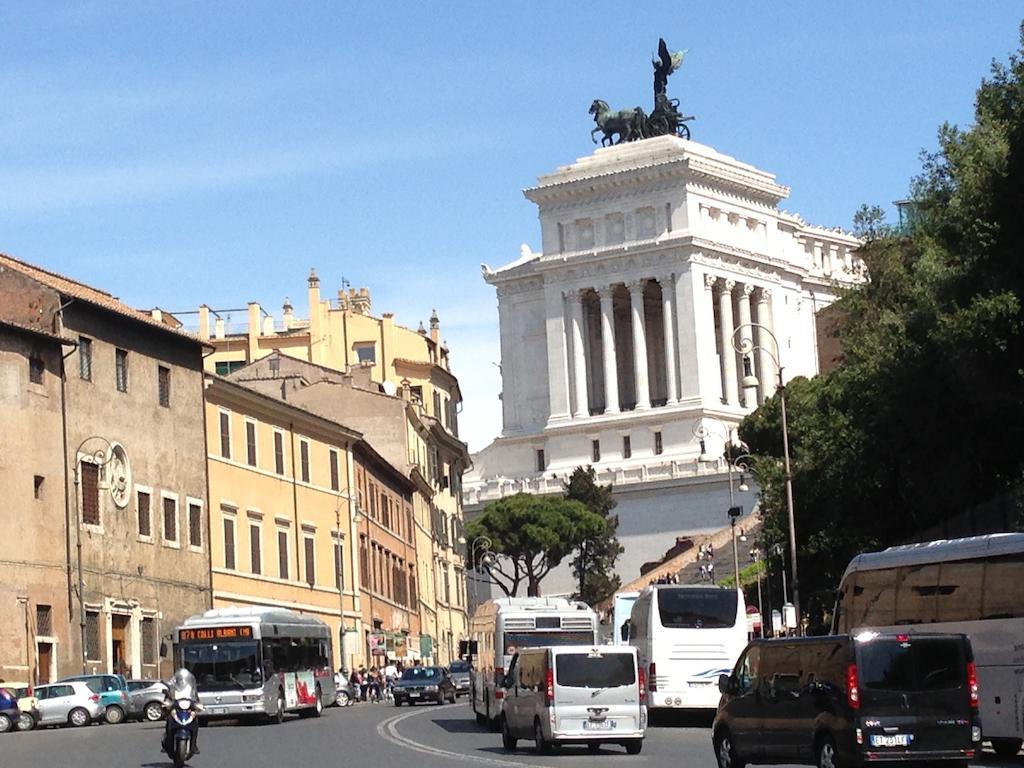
(182, 686)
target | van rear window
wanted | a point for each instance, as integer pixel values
(698, 608)
(581, 670)
(916, 665)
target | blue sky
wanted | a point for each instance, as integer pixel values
(178, 153)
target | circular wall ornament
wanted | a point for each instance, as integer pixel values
(120, 474)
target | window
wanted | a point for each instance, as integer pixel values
(37, 486)
(278, 452)
(44, 620)
(627, 448)
(255, 549)
(339, 565)
(605, 670)
(437, 405)
(413, 595)
(710, 608)
(36, 369)
(304, 459)
(195, 525)
(229, 542)
(658, 447)
(366, 354)
(335, 483)
(541, 463)
(163, 381)
(90, 478)
(595, 450)
(121, 369)
(142, 502)
(148, 640)
(225, 367)
(92, 635)
(225, 434)
(364, 562)
(308, 544)
(250, 442)
(85, 358)
(170, 519)
(282, 554)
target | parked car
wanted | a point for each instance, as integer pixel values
(345, 692)
(9, 712)
(424, 684)
(113, 693)
(146, 699)
(459, 672)
(28, 706)
(575, 694)
(68, 703)
(842, 700)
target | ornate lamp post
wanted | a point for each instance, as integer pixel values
(481, 544)
(339, 567)
(745, 346)
(701, 432)
(755, 555)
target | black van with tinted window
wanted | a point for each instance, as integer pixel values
(842, 701)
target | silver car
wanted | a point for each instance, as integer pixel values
(69, 703)
(147, 697)
(459, 672)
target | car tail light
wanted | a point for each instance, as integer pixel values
(643, 684)
(95, 698)
(972, 684)
(652, 679)
(549, 687)
(852, 690)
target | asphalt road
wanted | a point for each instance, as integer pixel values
(373, 735)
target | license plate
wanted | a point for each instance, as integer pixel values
(693, 684)
(414, 695)
(598, 725)
(218, 710)
(897, 740)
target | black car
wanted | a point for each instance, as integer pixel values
(424, 684)
(844, 701)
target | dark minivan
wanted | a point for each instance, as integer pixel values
(841, 700)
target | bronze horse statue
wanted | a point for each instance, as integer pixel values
(625, 125)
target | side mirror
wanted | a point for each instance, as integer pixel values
(725, 684)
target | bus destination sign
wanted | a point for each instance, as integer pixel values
(200, 634)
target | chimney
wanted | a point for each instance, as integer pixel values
(268, 326)
(218, 328)
(421, 330)
(204, 322)
(288, 313)
(406, 390)
(435, 328)
(342, 299)
(361, 301)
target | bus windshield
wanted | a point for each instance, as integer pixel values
(223, 666)
(697, 608)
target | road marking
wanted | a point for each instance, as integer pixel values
(388, 730)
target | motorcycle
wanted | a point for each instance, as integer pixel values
(179, 735)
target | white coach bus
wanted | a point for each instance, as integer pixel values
(686, 636)
(502, 626)
(973, 585)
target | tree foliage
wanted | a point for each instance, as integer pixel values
(922, 417)
(532, 535)
(869, 222)
(594, 563)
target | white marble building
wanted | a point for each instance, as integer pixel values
(616, 338)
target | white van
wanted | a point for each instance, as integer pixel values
(575, 694)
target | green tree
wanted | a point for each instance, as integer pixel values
(869, 222)
(594, 563)
(922, 417)
(531, 534)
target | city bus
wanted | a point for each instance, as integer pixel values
(502, 626)
(973, 585)
(686, 636)
(253, 662)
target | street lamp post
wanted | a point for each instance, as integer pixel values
(756, 555)
(100, 457)
(745, 346)
(483, 544)
(339, 566)
(701, 432)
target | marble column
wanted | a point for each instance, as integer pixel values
(611, 369)
(558, 358)
(746, 336)
(667, 316)
(766, 366)
(636, 300)
(728, 354)
(579, 362)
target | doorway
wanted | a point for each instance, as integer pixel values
(44, 652)
(119, 643)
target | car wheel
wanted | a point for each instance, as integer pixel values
(78, 717)
(26, 722)
(543, 747)
(633, 747)
(153, 711)
(481, 719)
(6, 724)
(398, 702)
(343, 699)
(726, 753)
(508, 741)
(114, 715)
(826, 753)
(1006, 748)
